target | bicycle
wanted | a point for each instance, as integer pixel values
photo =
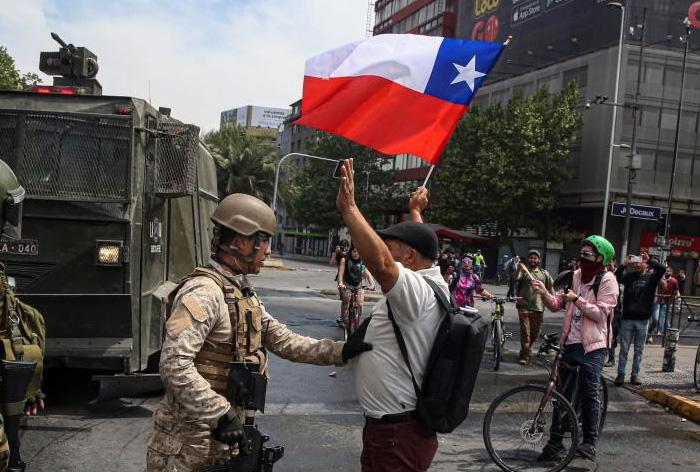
(354, 313)
(521, 421)
(498, 334)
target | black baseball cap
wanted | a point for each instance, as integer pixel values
(417, 235)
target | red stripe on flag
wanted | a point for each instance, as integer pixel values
(380, 114)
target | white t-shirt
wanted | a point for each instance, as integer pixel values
(382, 379)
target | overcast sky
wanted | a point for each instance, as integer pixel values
(200, 56)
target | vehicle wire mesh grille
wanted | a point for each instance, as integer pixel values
(176, 159)
(69, 157)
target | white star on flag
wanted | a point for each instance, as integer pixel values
(467, 73)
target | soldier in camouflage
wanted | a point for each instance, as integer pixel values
(10, 227)
(216, 319)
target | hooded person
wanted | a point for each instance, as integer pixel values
(530, 306)
(466, 284)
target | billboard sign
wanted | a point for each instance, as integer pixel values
(549, 31)
(265, 117)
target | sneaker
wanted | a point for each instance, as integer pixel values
(551, 452)
(650, 340)
(634, 380)
(619, 380)
(587, 450)
(610, 363)
(523, 361)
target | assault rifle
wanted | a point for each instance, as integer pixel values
(247, 388)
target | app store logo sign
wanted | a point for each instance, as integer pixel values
(693, 14)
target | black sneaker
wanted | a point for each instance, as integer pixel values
(587, 450)
(634, 380)
(551, 452)
(619, 380)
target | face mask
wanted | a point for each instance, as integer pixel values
(589, 269)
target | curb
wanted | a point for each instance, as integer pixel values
(679, 404)
(275, 264)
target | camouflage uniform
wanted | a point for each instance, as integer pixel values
(200, 323)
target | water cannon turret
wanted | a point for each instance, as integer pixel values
(72, 66)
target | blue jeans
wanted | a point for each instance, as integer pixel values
(632, 331)
(590, 368)
(660, 317)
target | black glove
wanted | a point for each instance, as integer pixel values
(356, 345)
(230, 431)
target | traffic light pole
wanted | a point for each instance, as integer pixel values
(667, 226)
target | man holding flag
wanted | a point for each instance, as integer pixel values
(397, 94)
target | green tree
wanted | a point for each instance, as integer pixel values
(244, 163)
(10, 76)
(506, 164)
(312, 190)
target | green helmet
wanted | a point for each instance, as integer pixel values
(12, 195)
(603, 247)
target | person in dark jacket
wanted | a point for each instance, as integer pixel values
(640, 291)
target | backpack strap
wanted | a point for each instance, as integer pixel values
(444, 304)
(596, 286)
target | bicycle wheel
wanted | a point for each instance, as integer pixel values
(603, 397)
(696, 374)
(497, 344)
(515, 442)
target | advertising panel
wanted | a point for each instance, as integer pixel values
(681, 244)
(549, 31)
(265, 117)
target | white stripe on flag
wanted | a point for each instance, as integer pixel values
(406, 59)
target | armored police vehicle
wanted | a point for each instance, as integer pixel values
(119, 196)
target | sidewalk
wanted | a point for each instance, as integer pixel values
(674, 390)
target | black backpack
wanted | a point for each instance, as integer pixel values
(453, 365)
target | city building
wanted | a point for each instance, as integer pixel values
(294, 138)
(556, 41)
(259, 121)
(429, 17)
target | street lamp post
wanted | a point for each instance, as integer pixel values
(277, 176)
(279, 166)
(614, 114)
(631, 170)
(667, 227)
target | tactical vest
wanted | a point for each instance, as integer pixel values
(214, 361)
(22, 337)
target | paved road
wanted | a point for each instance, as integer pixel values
(315, 416)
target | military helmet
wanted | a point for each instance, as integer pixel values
(602, 246)
(245, 214)
(12, 194)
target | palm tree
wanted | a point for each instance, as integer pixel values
(244, 164)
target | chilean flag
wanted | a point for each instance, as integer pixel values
(396, 93)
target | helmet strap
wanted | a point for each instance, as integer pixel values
(233, 263)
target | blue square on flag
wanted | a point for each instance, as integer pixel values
(460, 67)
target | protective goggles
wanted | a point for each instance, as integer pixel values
(12, 210)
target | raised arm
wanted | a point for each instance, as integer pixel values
(341, 273)
(373, 250)
(417, 203)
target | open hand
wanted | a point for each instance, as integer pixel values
(346, 190)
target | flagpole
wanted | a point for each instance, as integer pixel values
(427, 177)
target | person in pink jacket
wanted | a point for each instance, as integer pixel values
(586, 334)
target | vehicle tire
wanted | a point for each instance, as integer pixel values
(509, 436)
(696, 374)
(497, 342)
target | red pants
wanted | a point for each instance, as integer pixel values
(397, 447)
